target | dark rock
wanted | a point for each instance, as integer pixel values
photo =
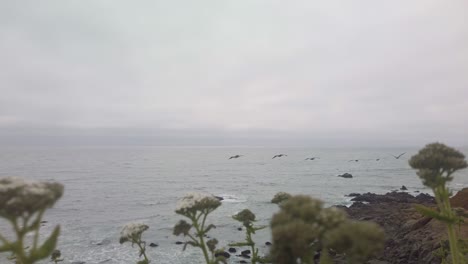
(179, 243)
(223, 254)
(43, 222)
(78, 262)
(353, 194)
(232, 250)
(403, 188)
(411, 238)
(244, 256)
(242, 261)
(397, 197)
(246, 252)
(268, 243)
(219, 198)
(346, 175)
(239, 228)
(153, 245)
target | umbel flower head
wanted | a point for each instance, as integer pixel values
(132, 232)
(245, 216)
(436, 163)
(280, 197)
(197, 202)
(20, 198)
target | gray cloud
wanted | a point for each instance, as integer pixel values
(330, 72)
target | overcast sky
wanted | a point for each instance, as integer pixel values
(272, 72)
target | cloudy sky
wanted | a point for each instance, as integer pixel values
(253, 72)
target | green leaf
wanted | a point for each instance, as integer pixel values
(46, 249)
(426, 211)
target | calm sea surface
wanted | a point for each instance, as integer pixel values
(107, 187)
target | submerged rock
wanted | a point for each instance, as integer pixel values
(403, 188)
(346, 175)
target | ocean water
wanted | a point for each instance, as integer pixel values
(107, 187)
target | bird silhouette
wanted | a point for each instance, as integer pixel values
(235, 156)
(313, 158)
(397, 157)
(279, 156)
(377, 159)
(353, 160)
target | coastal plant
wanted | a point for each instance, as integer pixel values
(435, 164)
(303, 229)
(196, 207)
(132, 232)
(247, 218)
(23, 204)
(280, 197)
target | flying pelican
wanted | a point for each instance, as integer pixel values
(235, 156)
(312, 158)
(353, 160)
(279, 156)
(397, 157)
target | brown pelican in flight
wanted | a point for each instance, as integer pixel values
(235, 156)
(313, 158)
(353, 160)
(397, 157)
(279, 156)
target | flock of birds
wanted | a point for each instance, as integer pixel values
(313, 158)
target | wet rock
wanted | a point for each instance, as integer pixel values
(239, 228)
(246, 252)
(403, 188)
(219, 198)
(78, 262)
(242, 261)
(153, 245)
(353, 194)
(346, 175)
(223, 254)
(232, 250)
(179, 243)
(268, 243)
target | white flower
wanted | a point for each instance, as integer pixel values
(20, 198)
(197, 201)
(132, 231)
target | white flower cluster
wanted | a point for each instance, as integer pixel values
(19, 197)
(197, 201)
(132, 230)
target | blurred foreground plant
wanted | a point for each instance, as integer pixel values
(132, 233)
(303, 227)
(23, 205)
(435, 165)
(197, 207)
(246, 217)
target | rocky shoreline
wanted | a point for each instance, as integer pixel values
(410, 236)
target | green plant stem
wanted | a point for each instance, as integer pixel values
(142, 250)
(443, 201)
(200, 233)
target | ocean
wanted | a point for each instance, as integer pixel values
(107, 187)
